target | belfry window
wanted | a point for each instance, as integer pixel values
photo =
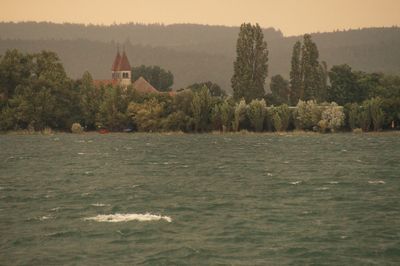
(125, 75)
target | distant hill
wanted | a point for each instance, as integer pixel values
(194, 53)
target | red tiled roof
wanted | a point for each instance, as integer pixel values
(121, 63)
(141, 85)
(124, 63)
(105, 82)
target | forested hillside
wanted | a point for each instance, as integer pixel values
(193, 53)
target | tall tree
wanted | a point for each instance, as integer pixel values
(251, 65)
(344, 85)
(310, 69)
(280, 89)
(295, 75)
(15, 69)
(322, 94)
(201, 109)
(90, 100)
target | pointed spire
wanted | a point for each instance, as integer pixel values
(117, 61)
(124, 63)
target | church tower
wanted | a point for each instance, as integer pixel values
(121, 70)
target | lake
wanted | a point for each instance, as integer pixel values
(156, 199)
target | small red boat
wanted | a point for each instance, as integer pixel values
(104, 131)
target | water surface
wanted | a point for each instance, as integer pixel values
(200, 199)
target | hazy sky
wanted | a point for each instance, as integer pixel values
(293, 17)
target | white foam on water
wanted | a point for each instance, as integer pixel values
(376, 182)
(295, 182)
(99, 204)
(269, 174)
(46, 217)
(126, 217)
(56, 209)
(286, 162)
(344, 150)
(81, 153)
(359, 161)
(333, 182)
(322, 188)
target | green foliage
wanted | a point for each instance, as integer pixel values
(280, 117)
(15, 69)
(391, 108)
(332, 118)
(227, 114)
(239, 114)
(250, 67)
(183, 102)
(158, 77)
(280, 90)
(90, 101)
(371, 115)
(310, 70)
(147, 116)
(377, 115)
(352, 113)
(295, 74)
(177, 121)
(322, 93)
(112, 112)
(214, 89)
(307, 115)
(256, 112)
(344, 87)
(201, 109)
(35, 106)
(7, 119)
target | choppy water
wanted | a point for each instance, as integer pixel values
(200, 199)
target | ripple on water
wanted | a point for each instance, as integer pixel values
(126, 217)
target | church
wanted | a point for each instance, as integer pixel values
(121, 76)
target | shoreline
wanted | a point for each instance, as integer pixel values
(169, 133)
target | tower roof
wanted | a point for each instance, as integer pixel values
(121, 63)
(116, 62)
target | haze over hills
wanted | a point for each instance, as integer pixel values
(193, 53)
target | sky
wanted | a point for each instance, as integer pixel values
(292, 17)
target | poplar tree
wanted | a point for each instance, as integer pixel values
(295, 75)
(310, 69)
(251, 65)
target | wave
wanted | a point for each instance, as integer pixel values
(121, 217)
(99, 204)
(377, 182)
(295, 182)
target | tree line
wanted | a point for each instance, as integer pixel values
(194, 53)
(36, 93)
